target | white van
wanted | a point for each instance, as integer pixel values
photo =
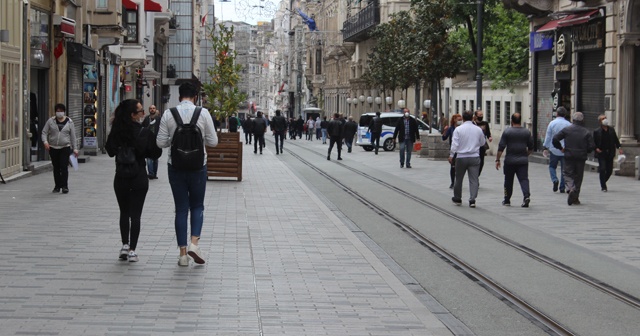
(389, 121)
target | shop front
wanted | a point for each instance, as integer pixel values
(81, 98)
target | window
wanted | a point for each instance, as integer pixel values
(457, 106)
(131, 24)
(318, 61)
(518, 107)
(498, 116)
(487, 112)
(464, 105)
(507, 112)
(102, 4)
(471, 106)
(390, 121)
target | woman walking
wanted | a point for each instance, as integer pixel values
(130, 182)
(59, 138)
(456, 120)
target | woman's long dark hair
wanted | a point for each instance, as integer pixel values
(122, 124)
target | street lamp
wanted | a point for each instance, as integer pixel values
(349, 104)
(361, 98)
(370, 101)
(401, 103)
(427, 105)
(389, 100)
(378, 101)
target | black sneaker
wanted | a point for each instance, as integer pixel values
(571, 198)
(56, 190)
(451, 186)
(472, 204)
(506, 203)
(525, 202)
(555, 186)
(562, 191)
(65, 190)
(408, 166)
(339, 158)
(401, 165)
(456, 201)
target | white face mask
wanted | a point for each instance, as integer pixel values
(59, 115)
(406, 114)
(605, 122)
(140, 120)
(459, 122)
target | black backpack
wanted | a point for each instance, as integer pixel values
(126, 162)
(187, 147)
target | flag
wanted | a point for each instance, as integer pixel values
(204, 19)
(58, 50)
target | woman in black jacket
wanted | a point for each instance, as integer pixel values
(131, 189)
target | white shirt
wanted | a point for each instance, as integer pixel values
(168, 126)
(467, 140)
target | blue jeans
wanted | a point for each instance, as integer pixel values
(152, 167)
(553, 165)
(188, 188)
(324, 135)
(406, 146)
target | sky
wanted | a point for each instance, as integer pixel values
(244, 10)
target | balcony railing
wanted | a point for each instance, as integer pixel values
(356, 28)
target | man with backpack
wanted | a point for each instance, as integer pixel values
(186, 129)
(375, 127)
(259, 127)
(279, 128)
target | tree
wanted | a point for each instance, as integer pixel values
(222, 95)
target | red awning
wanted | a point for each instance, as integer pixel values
(152, 6)
(129, 5)
(576, 19)
(549, 26)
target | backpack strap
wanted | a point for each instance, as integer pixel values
(176, 116)
(196, 116)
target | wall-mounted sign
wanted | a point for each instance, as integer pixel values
(563, 54)
(540, 41)
(588, 36)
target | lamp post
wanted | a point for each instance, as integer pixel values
(389, 100)
(349, 104)
(378, 101)
(479, 55)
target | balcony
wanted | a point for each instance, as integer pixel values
(356, 28)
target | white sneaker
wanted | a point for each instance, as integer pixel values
(194, 252)
(183, 260)
(133, 256)
(124, 252)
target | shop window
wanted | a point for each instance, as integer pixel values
(102, 4)
(131, 25)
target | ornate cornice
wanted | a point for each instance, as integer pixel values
(530, 7)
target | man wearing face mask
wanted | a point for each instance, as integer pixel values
(484, 125)
(407, 132)
(59, 138)
(606, 142)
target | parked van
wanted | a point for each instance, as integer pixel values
(389, 121)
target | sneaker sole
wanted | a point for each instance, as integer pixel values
(196, 258)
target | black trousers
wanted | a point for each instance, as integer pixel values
(60, 162)
(258, 139)
(279, 136)
(375, 140)
(483, 152)
(522, 172)
(247, 137)
(335, 140)
(605, 168)
(131, 194)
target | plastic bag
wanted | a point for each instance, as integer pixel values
(621, 159)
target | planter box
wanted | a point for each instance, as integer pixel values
(225, 160)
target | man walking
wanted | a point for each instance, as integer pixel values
(578, 142)
(606, 141)
(484, 125)
(152, 121)
(465, 145)
(247, 128)
(234, 122)
(335, 130)
(519, 144)
(555, 155)
(350, 129)
(407, 132)
(188, 186)
(279, 128)
(375, 127)
(259, 127)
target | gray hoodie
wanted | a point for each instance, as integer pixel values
(59, 138)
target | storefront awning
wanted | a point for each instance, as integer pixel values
(576, 19)
(129, 5)
(152, 6)
(549, 26)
